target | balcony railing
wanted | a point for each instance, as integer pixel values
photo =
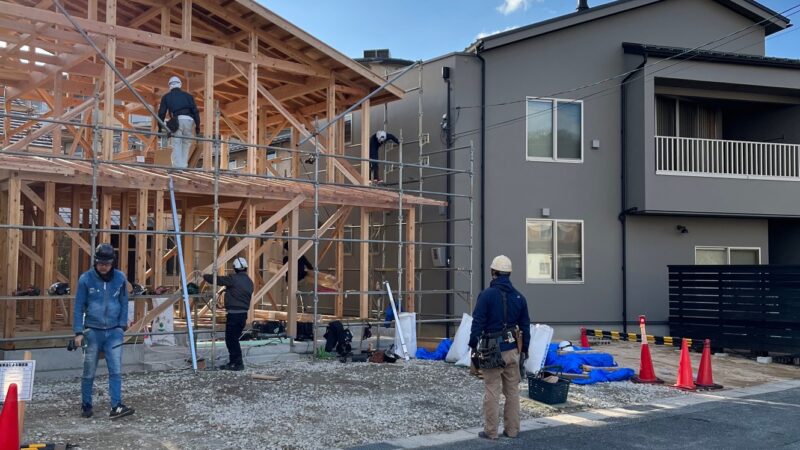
(727, 159)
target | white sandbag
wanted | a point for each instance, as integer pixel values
(408, 323)
(460, 345)
(465, 360)
(541, 335)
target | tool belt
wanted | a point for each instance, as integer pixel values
(487, 354)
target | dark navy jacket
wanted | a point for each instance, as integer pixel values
(488, 314)
(374, 145)
(178, 103)
(238, 291)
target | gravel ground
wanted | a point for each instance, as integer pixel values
(316, 404)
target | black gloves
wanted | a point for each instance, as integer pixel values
(197, 130)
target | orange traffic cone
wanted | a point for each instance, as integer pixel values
(9, 421)
(685, 380)
(646, 372)
(705, 380)
(584, 339)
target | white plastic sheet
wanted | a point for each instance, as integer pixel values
(541, 335)
(460, 345)
(408, 323)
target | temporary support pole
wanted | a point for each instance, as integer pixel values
(397, 321)
(176, 224)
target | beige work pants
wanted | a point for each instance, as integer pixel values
(507, 380)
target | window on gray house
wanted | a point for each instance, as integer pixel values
(566, 118)
(541, 246)
(348, 129)
(727, 255)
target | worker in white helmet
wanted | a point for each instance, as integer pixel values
(375, 142)
(238, 292)
(500, 319)
(184, 120)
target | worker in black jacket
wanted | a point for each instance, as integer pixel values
(303, 264)
(375, 142)
(181, 106)
(492, 318)
(238, 291)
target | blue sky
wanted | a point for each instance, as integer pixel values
(423, 29)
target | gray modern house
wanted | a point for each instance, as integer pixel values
(610, 143)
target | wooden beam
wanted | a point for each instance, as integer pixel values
(252, 267)
(363, 265)
(67, 62)
(91, 10)
(105, 215)
(39, 202)
(108, 96)
(129, 34)
(141, 245)
(252, 107)
(331, 113)
(58, 109)
(86, 105)
(74, 252)
(124, 225)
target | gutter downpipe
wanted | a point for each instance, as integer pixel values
(449, 186)
(482, 195)
(623, 196)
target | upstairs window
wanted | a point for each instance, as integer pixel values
(684, 118)
(554, 130)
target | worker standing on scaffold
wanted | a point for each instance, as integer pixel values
(375, 142)
(184, 116)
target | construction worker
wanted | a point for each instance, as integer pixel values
(375, 142)
(303, 264)
(100, 318)
(499, 313)
(238, 292)
(184, 113)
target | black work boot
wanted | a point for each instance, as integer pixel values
(86, 411)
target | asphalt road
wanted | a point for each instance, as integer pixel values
(766, 421)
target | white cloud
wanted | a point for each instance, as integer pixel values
(510, 6)
(482, 34)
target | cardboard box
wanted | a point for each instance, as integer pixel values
(162, 157)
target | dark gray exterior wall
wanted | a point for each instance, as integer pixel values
(654, 243)
(552, 65)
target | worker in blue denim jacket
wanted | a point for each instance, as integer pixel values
(100, 318)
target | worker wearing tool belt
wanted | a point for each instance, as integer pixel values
(238, 291)
(500, 313)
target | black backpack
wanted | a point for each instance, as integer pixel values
(339, 337)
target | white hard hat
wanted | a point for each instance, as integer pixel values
(174, 82)
(501, 264)
(566, 346)
(381, 135)
(240, 263)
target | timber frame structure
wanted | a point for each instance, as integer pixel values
(253, 75)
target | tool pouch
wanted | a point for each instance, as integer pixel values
(487, 354)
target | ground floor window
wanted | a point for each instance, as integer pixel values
(727, 255)
(554, 251)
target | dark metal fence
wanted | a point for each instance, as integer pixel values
(753, 308)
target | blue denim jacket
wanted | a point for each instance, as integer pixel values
(104, 303)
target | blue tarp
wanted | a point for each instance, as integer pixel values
(572, 362)
(436, 355)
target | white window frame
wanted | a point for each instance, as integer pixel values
(727, 250)
(348, 118)
(554, 268)
(554, 102)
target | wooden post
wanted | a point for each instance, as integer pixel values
(363, 253)
(124, 225)
(141, 246)
(411, 276)
(165, 23)
(295, 138)
(261, 153)
(158, 241)
(252, 106)
(339, 267)
(208, 112)
(291, 317)
(108, 77)
(332, 143)
(92, 10)
(224, 155)
(48, 253)
(251, 253)
(58, 109)
(105, 215)
(14, 236)
(188, 241)
(186, 20)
